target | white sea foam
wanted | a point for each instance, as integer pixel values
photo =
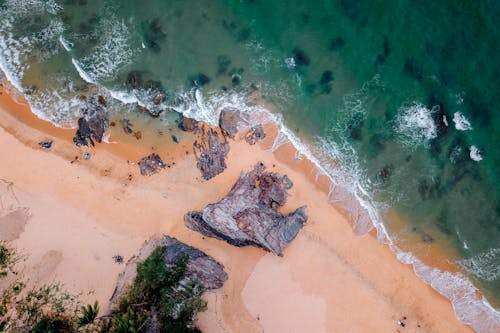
(415, 125)
(67, 45)
(111, 54)
(475, 154)
(461, 123)
(484, 265)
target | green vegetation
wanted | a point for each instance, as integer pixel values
(8, 258)
(160, 297)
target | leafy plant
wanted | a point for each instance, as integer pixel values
(88, 314)
(8, 258)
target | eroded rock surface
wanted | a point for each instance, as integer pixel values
(228, 122)
(151, 164)
(94, 122)
(210, 150)
(248, 215)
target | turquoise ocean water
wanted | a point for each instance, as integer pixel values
(396, 101)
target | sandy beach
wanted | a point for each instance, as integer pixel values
(72, 216)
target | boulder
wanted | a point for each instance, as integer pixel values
(151, 164)
(188, 124)
(228, 122)
(210, 149)
(248, 214)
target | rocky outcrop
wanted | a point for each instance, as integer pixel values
(210, 149)
(151, 164)
(201, 267)
(248, 215)
(255, 134)
(94, 122)
(228, 122)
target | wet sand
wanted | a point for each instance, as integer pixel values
(82, 213)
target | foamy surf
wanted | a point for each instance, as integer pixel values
(461, 123)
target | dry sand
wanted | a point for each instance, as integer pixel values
(73, 217)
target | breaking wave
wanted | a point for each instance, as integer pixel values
(415, 125)
(461, 123)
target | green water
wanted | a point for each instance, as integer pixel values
(397, 92)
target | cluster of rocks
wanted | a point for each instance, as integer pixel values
(151, 164)
(248, 214)
(93, 123)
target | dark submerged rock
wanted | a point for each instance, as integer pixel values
(413, 70)
(300, 57)
(199, 80)
(255, 134)
(248, 215)
(336, 43)
(210, 150)
(134, 80)
(223, 63)
(326, 77)
(151, 164)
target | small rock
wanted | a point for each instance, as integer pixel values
(86, 156)
(138, 135)
(228, 122)
(175, 138)
(118, 259)
(45, 144)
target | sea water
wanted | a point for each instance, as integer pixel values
(395, 101)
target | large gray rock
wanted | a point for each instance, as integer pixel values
(248, 215)
(229, 120)
(210, 149)
(201, 267)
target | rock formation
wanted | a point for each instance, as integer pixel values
(255, 134)
(248, 215)
(201, 267)
(210, 150)
(94, 122)
(151, 164)
(228, 122)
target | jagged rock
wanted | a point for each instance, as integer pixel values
(188, 124)
(228, 122)
(210, 150)
(255, 134)
(151, 164)
(200, 266)
(248, 215)
(93, 124)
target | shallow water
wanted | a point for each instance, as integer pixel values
(401, 94)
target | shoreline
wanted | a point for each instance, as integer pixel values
(325, 245)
